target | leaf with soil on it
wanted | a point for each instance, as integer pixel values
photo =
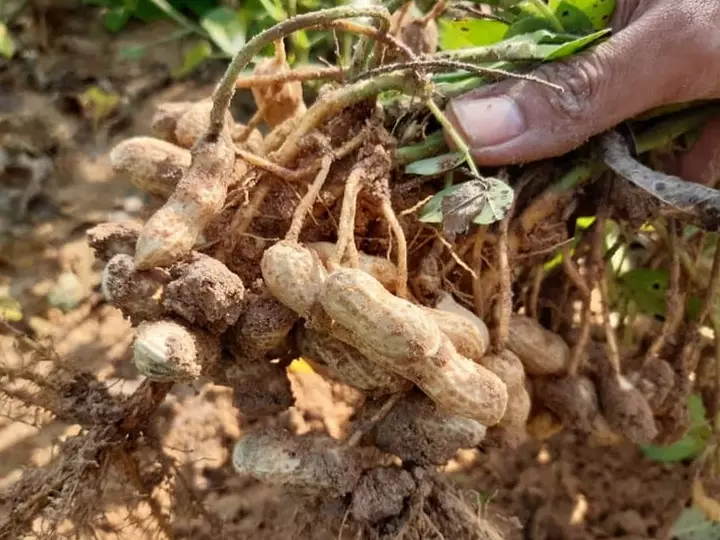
(692, 201)
(482, 201)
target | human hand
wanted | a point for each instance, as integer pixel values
(662, 52)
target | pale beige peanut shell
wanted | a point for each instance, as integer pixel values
(151, 164)
(518, 408)
(467, 332)
(542, 352)
(344, 363)
(401, 337)
(379, 267)
(294, 275)
(507, 366)
(170, 234)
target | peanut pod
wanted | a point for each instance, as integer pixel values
(378, 267)
(467, 332)
(136, 293)
(542, 352)
(294, 275)
(626, 410)
(310, 463)
(166, 350)
(341, 362)
(402, 338)
(417, 431)
(150, 164)
(278, 102)
(113, 238)
(573, 399)
(381, 493)
(173, 230)
(205, 292)
(263, 327)
(507, 366)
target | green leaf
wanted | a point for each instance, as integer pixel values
(193, 57)
(693, 524)
(575, 46)
(133, 52)
(470, 33)
(692, 444)
(528, 25)
(583, 15)
(116, 18)
(432, 211)
(499, 197)
(7, 45)
(227, 28)
(436, 165)
(275, 10)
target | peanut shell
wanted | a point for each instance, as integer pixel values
(467, 332)
(279, 101)
(542, 352)
(573, 399)
(136, 293)
(507, 366)
(113, 238)
(626, 410)
(378, 267)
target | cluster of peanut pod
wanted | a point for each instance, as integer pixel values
(196, 320)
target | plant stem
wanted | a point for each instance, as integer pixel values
(226, 87)
(454, 135)
(431, 146)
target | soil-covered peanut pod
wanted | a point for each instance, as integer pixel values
(170, 234)
(507, 366)
(655, 381)
(380, 268)
(166, 350)
(278, 102)
(184, 122)
(468, 333)
(542, 352)
(343, 363)
(263, 327)
(150, 164)
(626, 410)
(572, 398)
(401, 337)
(518, 408)
(312, 463)
(134, 292)
(113, 238)
(417, 431)
(204, 292)
(381, 493)
(260, 388)
(294, 275)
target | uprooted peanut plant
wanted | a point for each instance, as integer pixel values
(470, 307)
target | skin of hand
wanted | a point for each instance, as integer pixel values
(661, 52)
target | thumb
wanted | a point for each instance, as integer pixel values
(517, 121)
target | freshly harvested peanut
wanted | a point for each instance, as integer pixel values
(378, 267)
(205, 292)
(311, 463)
(150, 164)
(381, 494)
(263, 327)
(294, 275)
(507, 366)
(542, 352)
(278, 102)
(173, 230)
(136, 293)
(467, 332)
(184, 122)
(426, 283)
(572, 398)
(166, 350)
(518, 408)
(401, 337)
(113, 238)
(626, 410)
(341, 362)
(417, 431)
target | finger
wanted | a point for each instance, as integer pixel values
(517, 121)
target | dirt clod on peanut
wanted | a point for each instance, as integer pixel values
(113, 238)
(380, 494)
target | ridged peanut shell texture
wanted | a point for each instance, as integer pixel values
(542, 352)
(294, 275)
(404, 339)
(344, 363)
